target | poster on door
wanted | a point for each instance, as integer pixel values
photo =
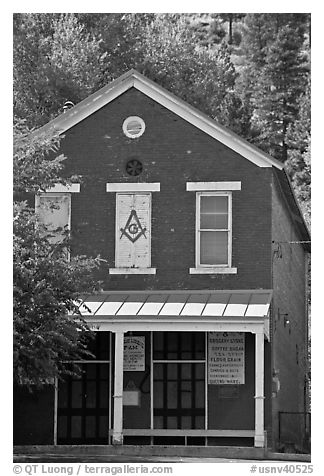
(226, 358)
(134, 353)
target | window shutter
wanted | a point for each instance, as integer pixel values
(124, 250)
(143, 244)
(54, 212)
(133, 234)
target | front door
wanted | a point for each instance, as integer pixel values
(179, 380)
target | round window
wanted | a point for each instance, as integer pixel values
(133, 127)
(134, 167)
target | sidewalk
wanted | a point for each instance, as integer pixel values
(149, 454)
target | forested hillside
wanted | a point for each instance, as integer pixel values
(250, 72)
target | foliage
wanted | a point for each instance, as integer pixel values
(274, 46)
(32, 166)
(299, 159)
(55, 60)
(48, 329)
(166, 49)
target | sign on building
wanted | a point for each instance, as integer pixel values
(134, 353)
(226, 358)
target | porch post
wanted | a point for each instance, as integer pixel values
(259, 389)
(117, 437)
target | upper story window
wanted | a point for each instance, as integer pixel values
(133, 227)
(54, 211)
(133, 127)
(214, 229)
(213, 226)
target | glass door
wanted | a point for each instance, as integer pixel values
(179, 380)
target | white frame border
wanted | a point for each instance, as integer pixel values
(133, 187)
(128, 270)
(59, 188)
(127, 121)
(212, 186)
(213, 269)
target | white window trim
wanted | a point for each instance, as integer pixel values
(132, 270)
(130, 119)
(212, 186)
(59, 188)
(124, 270)
(213, 269)
(133, 187)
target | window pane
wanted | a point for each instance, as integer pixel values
(172, 423)
(158, 340)
(186, 371)
(158, 422)
(213, 204)
(76, 394)
(103, 426)
(90, 426)
(214, 221)
(63, 395)
(186, 400)
(200, 422)
(172, 394)
(62, 427)
(76, 422)
(186, 422)
(54, 213)
(158, 395)
(200, 394)
(172, 371)
(214, 247)
(91, 394)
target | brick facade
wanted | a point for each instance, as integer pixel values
(173, 152)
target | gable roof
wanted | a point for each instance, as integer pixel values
(133, 79)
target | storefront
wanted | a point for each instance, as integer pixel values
(170, 368)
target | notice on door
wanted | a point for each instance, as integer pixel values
(134, 353)
(226, 358)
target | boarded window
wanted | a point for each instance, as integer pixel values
(53, 211)
(133, 230)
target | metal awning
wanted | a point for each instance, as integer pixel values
(225, 304)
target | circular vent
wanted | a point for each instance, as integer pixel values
(133, 127)
(134, 167)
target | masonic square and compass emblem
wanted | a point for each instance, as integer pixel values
(133, 229)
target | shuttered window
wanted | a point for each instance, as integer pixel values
(53, 211)
(133, 230)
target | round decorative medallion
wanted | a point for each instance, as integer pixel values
(134, 167)
(133, 127)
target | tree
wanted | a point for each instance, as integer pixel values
(48, 328)
(299, 157)
(55, 60)
(274, 47)
(231, 18)
(164, 48)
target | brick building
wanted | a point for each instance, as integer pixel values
(202, 327)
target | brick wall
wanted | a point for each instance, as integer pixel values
(289, 351)
(172, 152)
